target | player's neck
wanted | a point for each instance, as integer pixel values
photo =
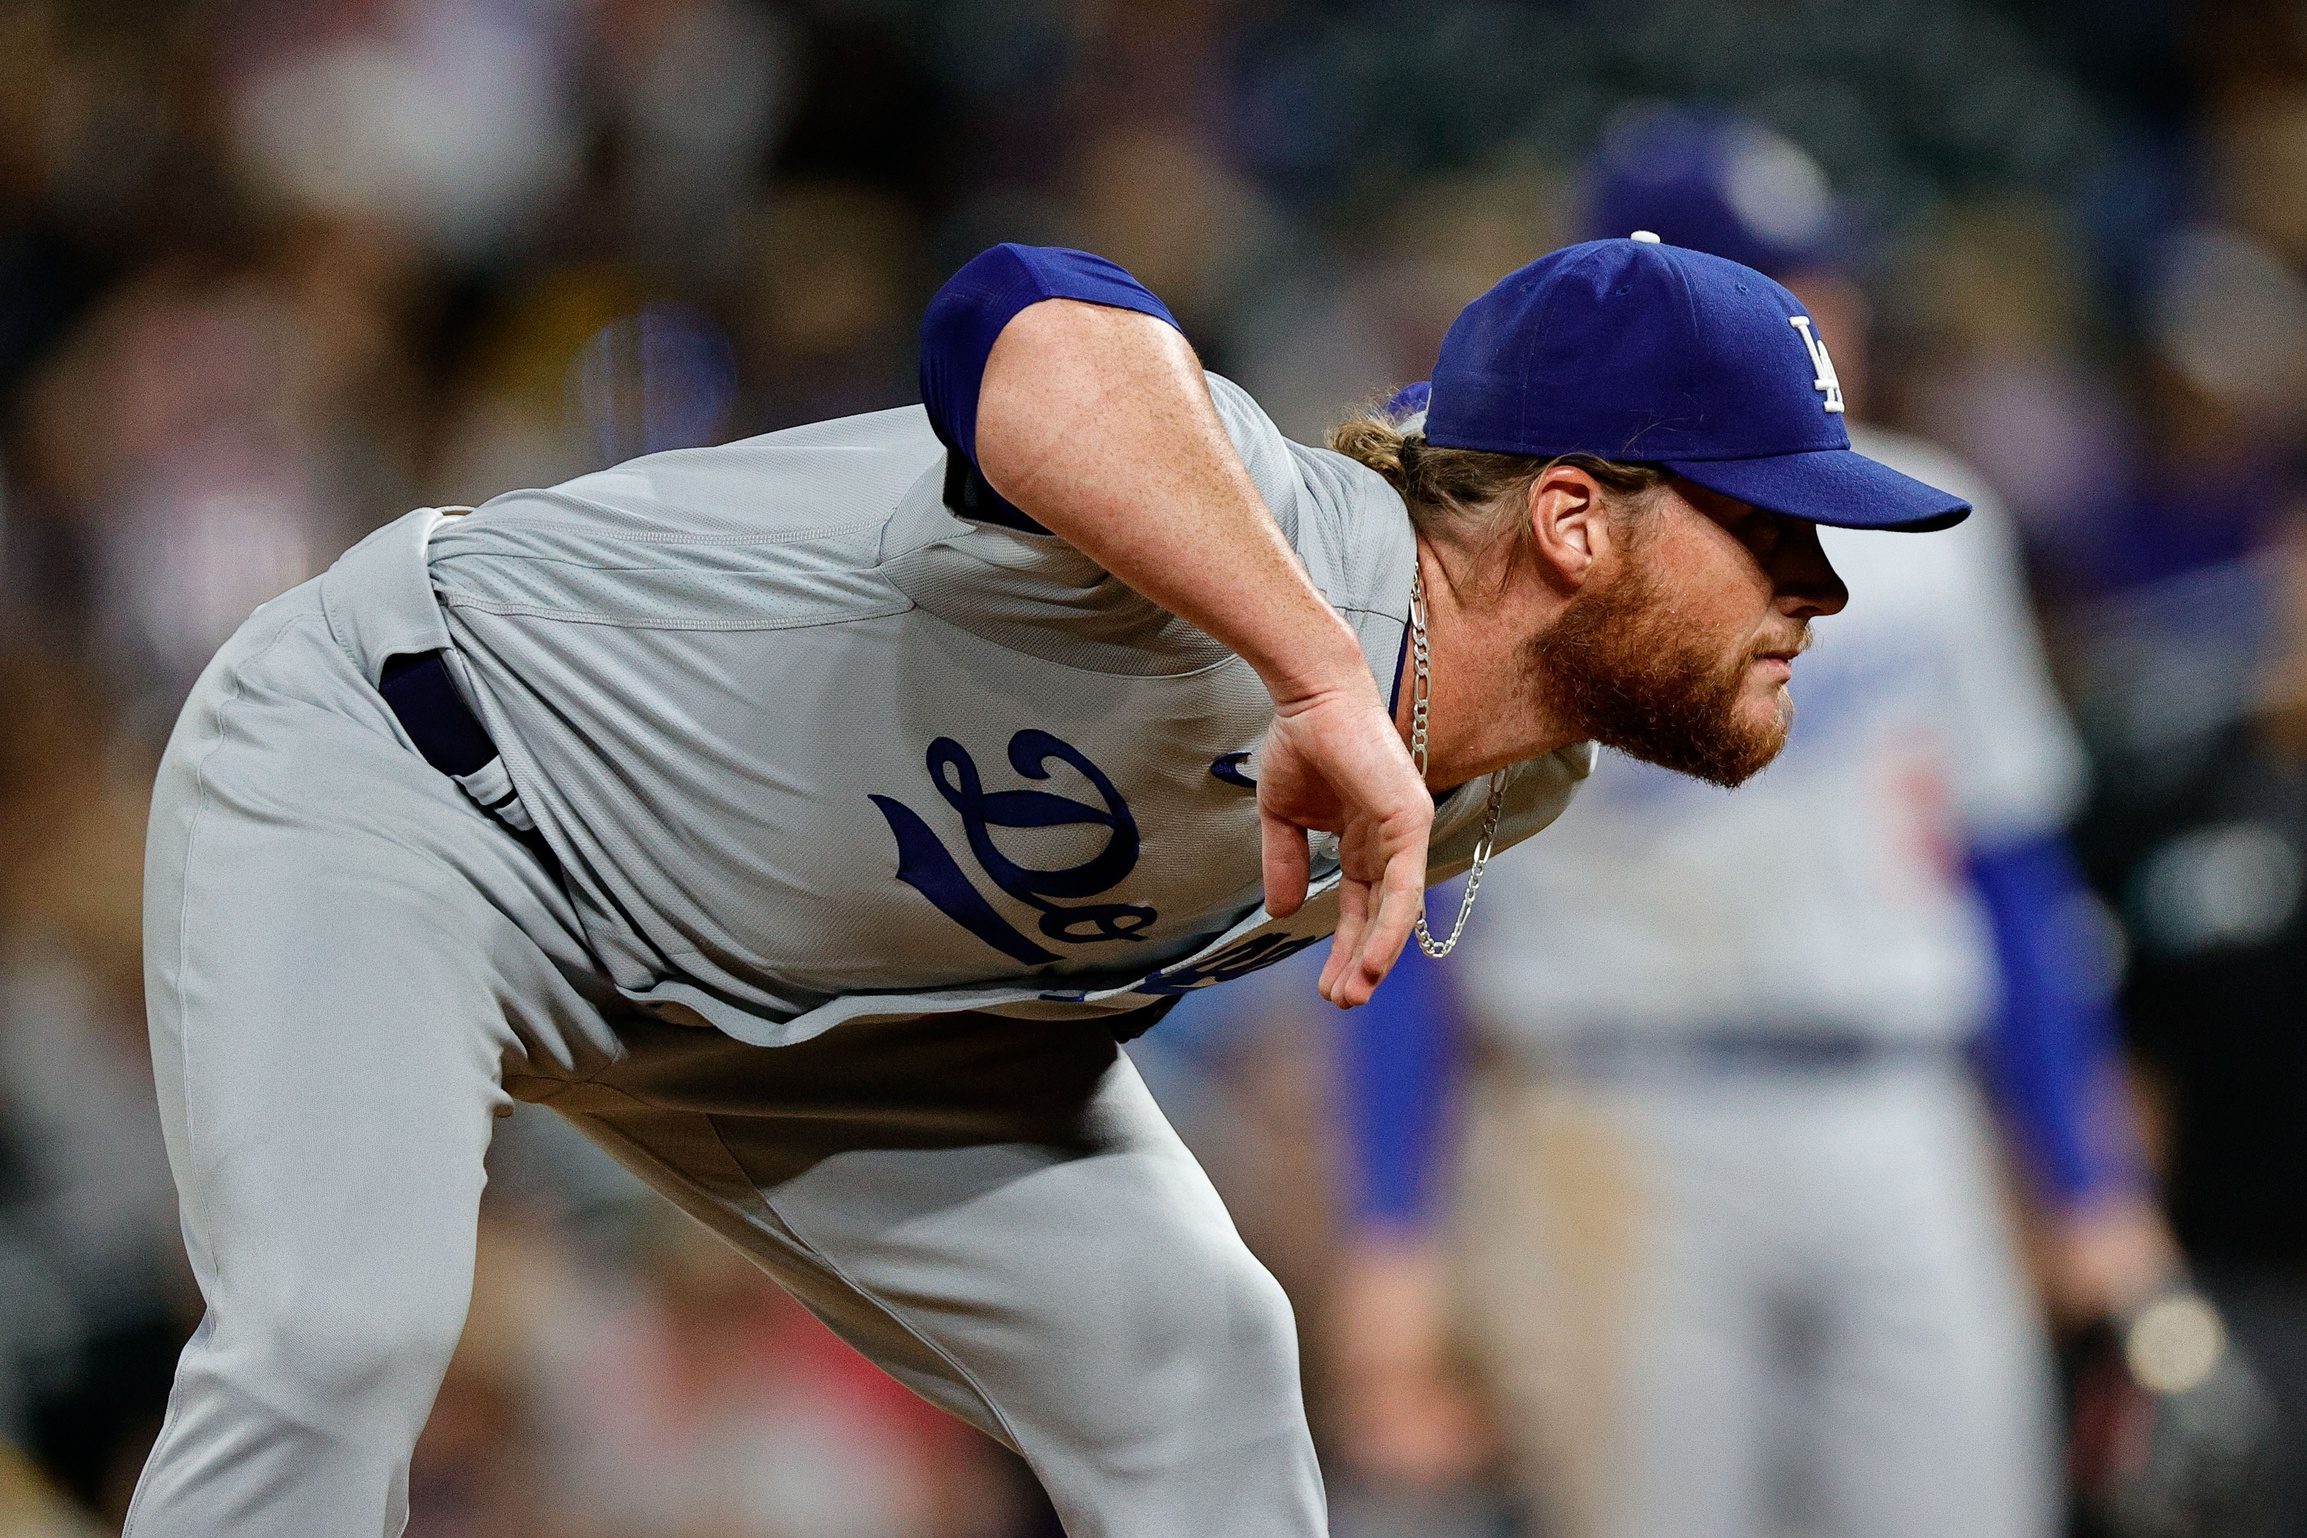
(1486, 711)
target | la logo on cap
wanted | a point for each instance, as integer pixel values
(1821, 365)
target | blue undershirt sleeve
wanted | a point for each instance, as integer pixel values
(1400, 1070)
(958, 331)
(2053, 1057)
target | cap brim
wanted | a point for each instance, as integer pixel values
(1837, 486)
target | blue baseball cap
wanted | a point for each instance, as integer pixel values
(1716, 181)
(1644, 353)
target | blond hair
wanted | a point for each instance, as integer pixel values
(1471, 498)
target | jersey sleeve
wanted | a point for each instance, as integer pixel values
(2019, 769)
(2053, 1055)
(1287, 475)
(966, 317)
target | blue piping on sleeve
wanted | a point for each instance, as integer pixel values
(2052, 1056)
(1401, 1062)
(966, 317)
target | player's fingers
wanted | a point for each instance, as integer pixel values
(1392, 909)
(1339, 938)
(1282, 846)
(1360, 972)
(1356, 899)
(1391, 921)
(1353, 914)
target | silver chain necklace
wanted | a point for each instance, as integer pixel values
(1421, 690)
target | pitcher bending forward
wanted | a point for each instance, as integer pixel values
(862, 785)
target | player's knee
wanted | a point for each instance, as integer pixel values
(1218, 1336)
(1263, 1327)
(1192, 1421)
(358, 1367)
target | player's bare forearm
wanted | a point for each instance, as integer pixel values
(1097, 422)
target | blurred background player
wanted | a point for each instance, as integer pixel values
(1735, 1252)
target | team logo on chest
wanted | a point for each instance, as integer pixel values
(924, 863)
(1822, 366)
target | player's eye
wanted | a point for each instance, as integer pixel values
(1762, 533)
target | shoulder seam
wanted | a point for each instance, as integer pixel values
(647, 537)
(643, 622)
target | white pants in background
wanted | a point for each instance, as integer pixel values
(1754, 1302)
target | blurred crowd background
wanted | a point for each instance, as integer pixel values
(274, 271)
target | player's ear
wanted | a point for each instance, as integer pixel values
(1570, 532)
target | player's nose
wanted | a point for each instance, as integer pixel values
(1804, 580)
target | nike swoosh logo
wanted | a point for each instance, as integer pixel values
(1227, 767)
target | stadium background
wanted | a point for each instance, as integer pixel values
(272, 271)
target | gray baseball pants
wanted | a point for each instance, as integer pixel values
(353, 970)
(1757, 1304)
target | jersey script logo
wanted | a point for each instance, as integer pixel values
(1821, 365)
(924, 863)
(1231, 769)
(1251, 953)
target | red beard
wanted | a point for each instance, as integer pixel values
(1625, 672)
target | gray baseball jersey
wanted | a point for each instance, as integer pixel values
(812, 748)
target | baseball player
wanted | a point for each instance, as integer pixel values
(807, 819)
(1732, 1238)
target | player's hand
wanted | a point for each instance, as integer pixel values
(1334, 763)
(1409, 1416)
(2105, 1259)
